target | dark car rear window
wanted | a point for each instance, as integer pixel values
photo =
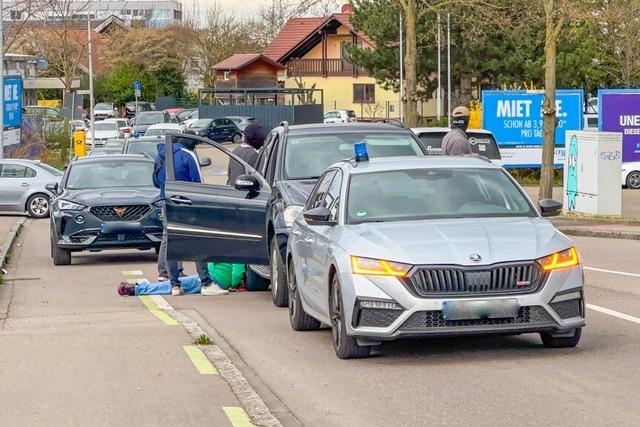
(481, 143)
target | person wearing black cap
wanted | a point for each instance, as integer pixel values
(254, 137)
(456, 142)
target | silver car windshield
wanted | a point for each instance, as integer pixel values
(143, 147)
(102, 126)
(308, 157)
(416, 194)
(110, 173)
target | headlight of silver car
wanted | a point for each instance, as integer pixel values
(66, 205)
(290, 214)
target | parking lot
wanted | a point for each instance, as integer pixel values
(83, 341)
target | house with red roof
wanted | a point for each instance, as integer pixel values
(313, 51)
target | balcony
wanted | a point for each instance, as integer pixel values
(322, 67)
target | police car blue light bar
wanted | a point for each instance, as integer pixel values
(361, 154)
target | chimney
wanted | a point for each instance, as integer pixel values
(346, 8)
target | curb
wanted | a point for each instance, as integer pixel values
(603, 234)
(4, 251)
(8, 241)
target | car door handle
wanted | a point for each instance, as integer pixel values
(180, 200)
(308, 240)
(297, 233)
(25, 184)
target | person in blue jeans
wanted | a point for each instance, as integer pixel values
(186, 168)
(189, 285)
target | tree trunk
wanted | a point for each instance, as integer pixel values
(549, 113)
(410, 73)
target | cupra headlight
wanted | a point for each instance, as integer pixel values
(562, 259)
(66, 205)
(378, 267)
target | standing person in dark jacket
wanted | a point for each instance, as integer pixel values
(254, 137)
(186, 168)
(456, 142)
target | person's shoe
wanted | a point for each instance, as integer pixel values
(163, 278)
(212, 289)
(126, 289)
(176, 291)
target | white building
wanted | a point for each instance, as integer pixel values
(151, 12)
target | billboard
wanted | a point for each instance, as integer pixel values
(515, 118)
(619, 111)
(12, 109)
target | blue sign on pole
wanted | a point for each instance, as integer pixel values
(12, 102)
(137, 85)
(515, 119)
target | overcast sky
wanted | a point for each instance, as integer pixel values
(237, 7)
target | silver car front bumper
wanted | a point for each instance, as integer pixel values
(557, 307)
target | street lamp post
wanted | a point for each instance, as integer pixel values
(439, 92)
(449, 68)
(91, 100)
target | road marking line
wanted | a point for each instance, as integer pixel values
(133, 281)
(156, 311)
(132, 273)
(161, 302)
(614, 313)
(199, 360)
(603, 270)
(237, 416)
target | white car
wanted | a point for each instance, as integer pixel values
(482, 142)
(123, 126)
(340, 116)
(105, 130)
(104, 110)
(631, 175)
(162, 129)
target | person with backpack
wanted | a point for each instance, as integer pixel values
(186, 168)
(254, 136)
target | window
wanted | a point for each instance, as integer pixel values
(16, 15)
(415, 194)
(17, 171)
(364, 93)
(332, 199)
(226, 75)
(345, 54)
(263, 155)
(319, 194)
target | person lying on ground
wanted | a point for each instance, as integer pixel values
(189, 284)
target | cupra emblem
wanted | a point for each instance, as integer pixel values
(120, 211)
(475, 257)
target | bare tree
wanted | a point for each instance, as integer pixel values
(19, 12)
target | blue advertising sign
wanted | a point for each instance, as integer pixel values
(12, 102)
(515, 119)
(619, 111)
(137, 85)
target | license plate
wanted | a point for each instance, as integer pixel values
(120, 227)
(483, 309)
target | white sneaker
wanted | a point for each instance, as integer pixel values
(212, 290)
(176, 291)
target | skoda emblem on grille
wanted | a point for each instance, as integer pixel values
(120, 211)
(475, 257)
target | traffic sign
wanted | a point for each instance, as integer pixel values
(137, 93)
(137, 85)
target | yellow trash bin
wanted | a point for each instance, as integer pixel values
(80, 143)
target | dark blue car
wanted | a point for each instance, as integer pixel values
(249, 221)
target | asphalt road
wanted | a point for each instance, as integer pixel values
(492, 381)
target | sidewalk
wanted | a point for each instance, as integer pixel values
(627, 227)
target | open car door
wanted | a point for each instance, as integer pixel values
(215, 220)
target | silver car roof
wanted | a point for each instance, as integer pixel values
(402, 163)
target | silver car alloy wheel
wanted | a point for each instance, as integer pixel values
(336, 314)
(39, 205)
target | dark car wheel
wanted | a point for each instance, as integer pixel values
(559, 342)
(38, 206)
(237, 138)
(346, 346)
(633, 180)
(279, 290)
(60, 256)
(254, 282)
(300, 321)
